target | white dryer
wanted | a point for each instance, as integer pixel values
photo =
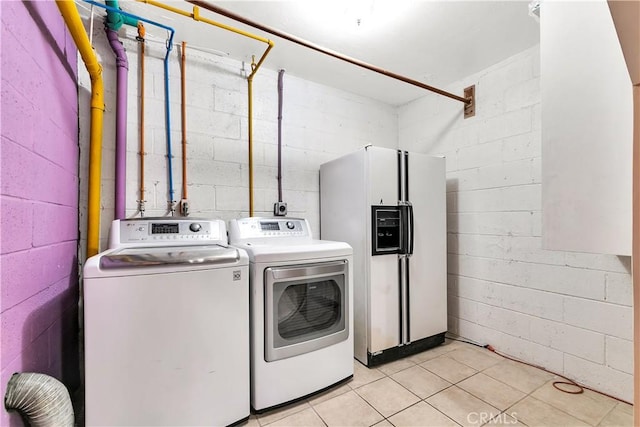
(301, 305)
(166, 326)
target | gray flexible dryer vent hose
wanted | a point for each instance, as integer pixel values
(43, 401)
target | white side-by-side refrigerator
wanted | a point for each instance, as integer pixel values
(390, 206)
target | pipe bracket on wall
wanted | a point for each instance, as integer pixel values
(470, 107)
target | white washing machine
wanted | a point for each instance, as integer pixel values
(301, 305)
(166, 326)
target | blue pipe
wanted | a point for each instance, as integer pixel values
(166, 87)
(168, 127)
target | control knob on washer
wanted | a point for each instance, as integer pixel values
(195, 227)
(290, 225)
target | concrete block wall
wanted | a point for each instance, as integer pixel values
(39, 196)
(569, 312)
(319, 123)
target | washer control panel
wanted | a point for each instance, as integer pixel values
(253, 228)
(166, 232)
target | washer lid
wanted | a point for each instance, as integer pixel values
(145, 257)
(294, 250)
(148, 260)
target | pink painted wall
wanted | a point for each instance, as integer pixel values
(39, 195)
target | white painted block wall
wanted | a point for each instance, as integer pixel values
(580, 49)
(569, 312)
(319, 124)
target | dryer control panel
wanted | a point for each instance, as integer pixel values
(257, 228)
(166, 232)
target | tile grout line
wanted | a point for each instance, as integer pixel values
(467, 345)
(607, 414)
(425, 401)
(320, 416)
(456, 384)
(565, 412)
(508, 385)
(361, 397)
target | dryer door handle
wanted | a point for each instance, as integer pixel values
(177, 255)
(308, 271)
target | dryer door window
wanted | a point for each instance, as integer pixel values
(308, 308)
(305, 308)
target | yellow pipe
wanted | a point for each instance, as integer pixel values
(72, 18)
(264, 55)
(195, 15)
(250, 120)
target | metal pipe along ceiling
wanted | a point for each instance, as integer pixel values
(301, 42)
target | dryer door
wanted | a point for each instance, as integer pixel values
(306, 308)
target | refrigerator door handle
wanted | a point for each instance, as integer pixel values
(405, 177)
(407, 299)
(404, 298)
(411, 229)
(401, 305)
(400, 178)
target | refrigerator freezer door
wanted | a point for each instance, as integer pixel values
(428, 263)
(384, 287)
(382, 175)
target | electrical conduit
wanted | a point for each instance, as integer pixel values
(73, 21)
(121, 120)
(280, 88)
(166, 88)
(195, 15)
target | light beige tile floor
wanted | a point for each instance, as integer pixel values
(455, 384)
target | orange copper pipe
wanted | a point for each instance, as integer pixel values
(183, 67)
(142, 154)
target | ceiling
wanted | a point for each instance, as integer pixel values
(434, 42)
